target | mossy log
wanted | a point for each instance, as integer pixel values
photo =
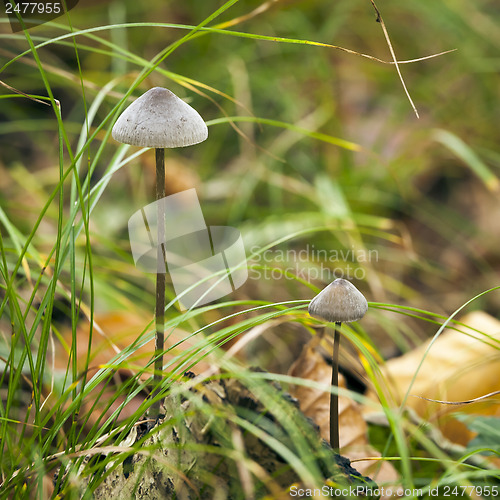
(219, 441)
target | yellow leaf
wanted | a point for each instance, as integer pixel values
(459, 366)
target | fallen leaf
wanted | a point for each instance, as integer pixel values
(113, 332)
(461, 366)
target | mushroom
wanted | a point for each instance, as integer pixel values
(340, 302)
(159, 119)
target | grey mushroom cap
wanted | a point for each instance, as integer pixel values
(339, 302)
(159, 119)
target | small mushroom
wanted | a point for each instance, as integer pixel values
(340, 302)
(159, 119)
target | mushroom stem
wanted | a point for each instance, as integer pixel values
(334, 397)
(160, 275)
(340, 302)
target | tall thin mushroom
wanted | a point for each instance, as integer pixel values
(159, 119)
(340, 302)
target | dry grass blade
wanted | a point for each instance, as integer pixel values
(66, 75)
(468, 402)
(393, 54)
(23, 93)
(267, 5)
(241, 19)
(299, 41)
(418, 59)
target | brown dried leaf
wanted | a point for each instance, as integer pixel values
(460, 366)
(113, 332)
(315, 404)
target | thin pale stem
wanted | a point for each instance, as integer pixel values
(334, 398)
(160, 276)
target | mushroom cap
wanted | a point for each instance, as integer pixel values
(339, 302)
(159, 119)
